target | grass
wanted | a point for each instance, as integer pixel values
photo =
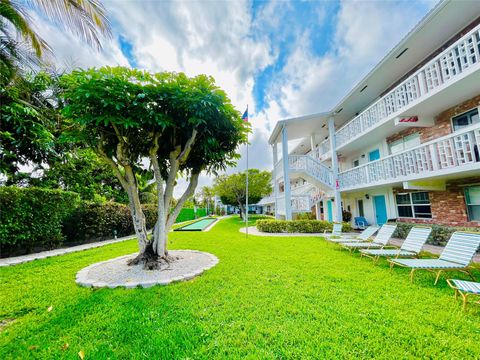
(269, 297)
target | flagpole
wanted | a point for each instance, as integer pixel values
(246, 192)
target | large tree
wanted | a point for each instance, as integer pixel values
(172, 124)
(232, 188)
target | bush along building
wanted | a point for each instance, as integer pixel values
(403, 144)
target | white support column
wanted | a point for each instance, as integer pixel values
(286, 175)
(318, 214)
(275, 183)
(312, 146)
(337, 214)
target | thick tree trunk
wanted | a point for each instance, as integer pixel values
(242, 210)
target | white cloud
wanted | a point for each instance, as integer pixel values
(222, 39)
(70, 52)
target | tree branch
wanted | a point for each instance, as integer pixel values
(172, 175)
(114, 166)
(188, 193)
(188, 146)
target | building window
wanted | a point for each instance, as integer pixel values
(356, 163)
(466, 119)
(472, 199)
(404, 143)
(414, 205)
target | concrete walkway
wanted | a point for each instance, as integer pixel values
(46, 254)
(62, 251)
(433, 249)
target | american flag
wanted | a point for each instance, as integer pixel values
(245, 115)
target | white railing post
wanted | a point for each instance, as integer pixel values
(434, 156)
(286, 176)
(336, 185)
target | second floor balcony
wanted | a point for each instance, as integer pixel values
(458, 61)
(456, 153)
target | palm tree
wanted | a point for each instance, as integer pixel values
(21, 45)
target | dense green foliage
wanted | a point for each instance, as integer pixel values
(83, 172)
(268, 298)
(43, 218)
(33, 217)
(28, 123)
(100, 220)
(138, 109)
(439, 236)
(298, 226)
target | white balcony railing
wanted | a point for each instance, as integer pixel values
(445, 67)
(299, 203)
(451, 153)
(311, 167)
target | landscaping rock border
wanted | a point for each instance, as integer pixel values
(116, 273)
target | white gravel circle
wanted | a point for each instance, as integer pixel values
(116, 273)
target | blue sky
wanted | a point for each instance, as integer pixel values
(282, 58)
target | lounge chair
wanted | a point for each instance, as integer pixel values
(465, 289)
(336, 231)
(411, 247)
(456, 256)
(365, 235)
(380, 241)
(361, 222)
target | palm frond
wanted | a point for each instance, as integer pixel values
(12, 12)
(85, 18)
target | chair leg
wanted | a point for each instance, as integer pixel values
(438, 277)
(464, 296)
(392, 264)
(377, 258)
(411, 275)
(469, 272)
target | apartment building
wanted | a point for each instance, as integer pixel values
(403, 144)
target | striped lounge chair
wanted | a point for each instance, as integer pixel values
(456, 256)
(465, 289)
(365, 235)
(380, 241)
(337, 231)
(411, 247)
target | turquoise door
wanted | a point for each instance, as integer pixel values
(380, 209)
(374, 155)
(329, 210)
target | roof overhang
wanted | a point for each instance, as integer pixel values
(300, 127)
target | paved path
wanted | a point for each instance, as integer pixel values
(45, 254)
(433, 249)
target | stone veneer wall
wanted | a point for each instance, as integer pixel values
(448, 207)
(443, 125)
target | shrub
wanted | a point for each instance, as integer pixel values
(439, 236)
(297, 226)
(33, 217)
(99, 221)
(38, 219)
(305, 216)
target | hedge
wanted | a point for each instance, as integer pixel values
(439, 236)
(31, 217)
(38, 219)
(298, 226)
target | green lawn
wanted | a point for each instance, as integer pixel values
(268, 297)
